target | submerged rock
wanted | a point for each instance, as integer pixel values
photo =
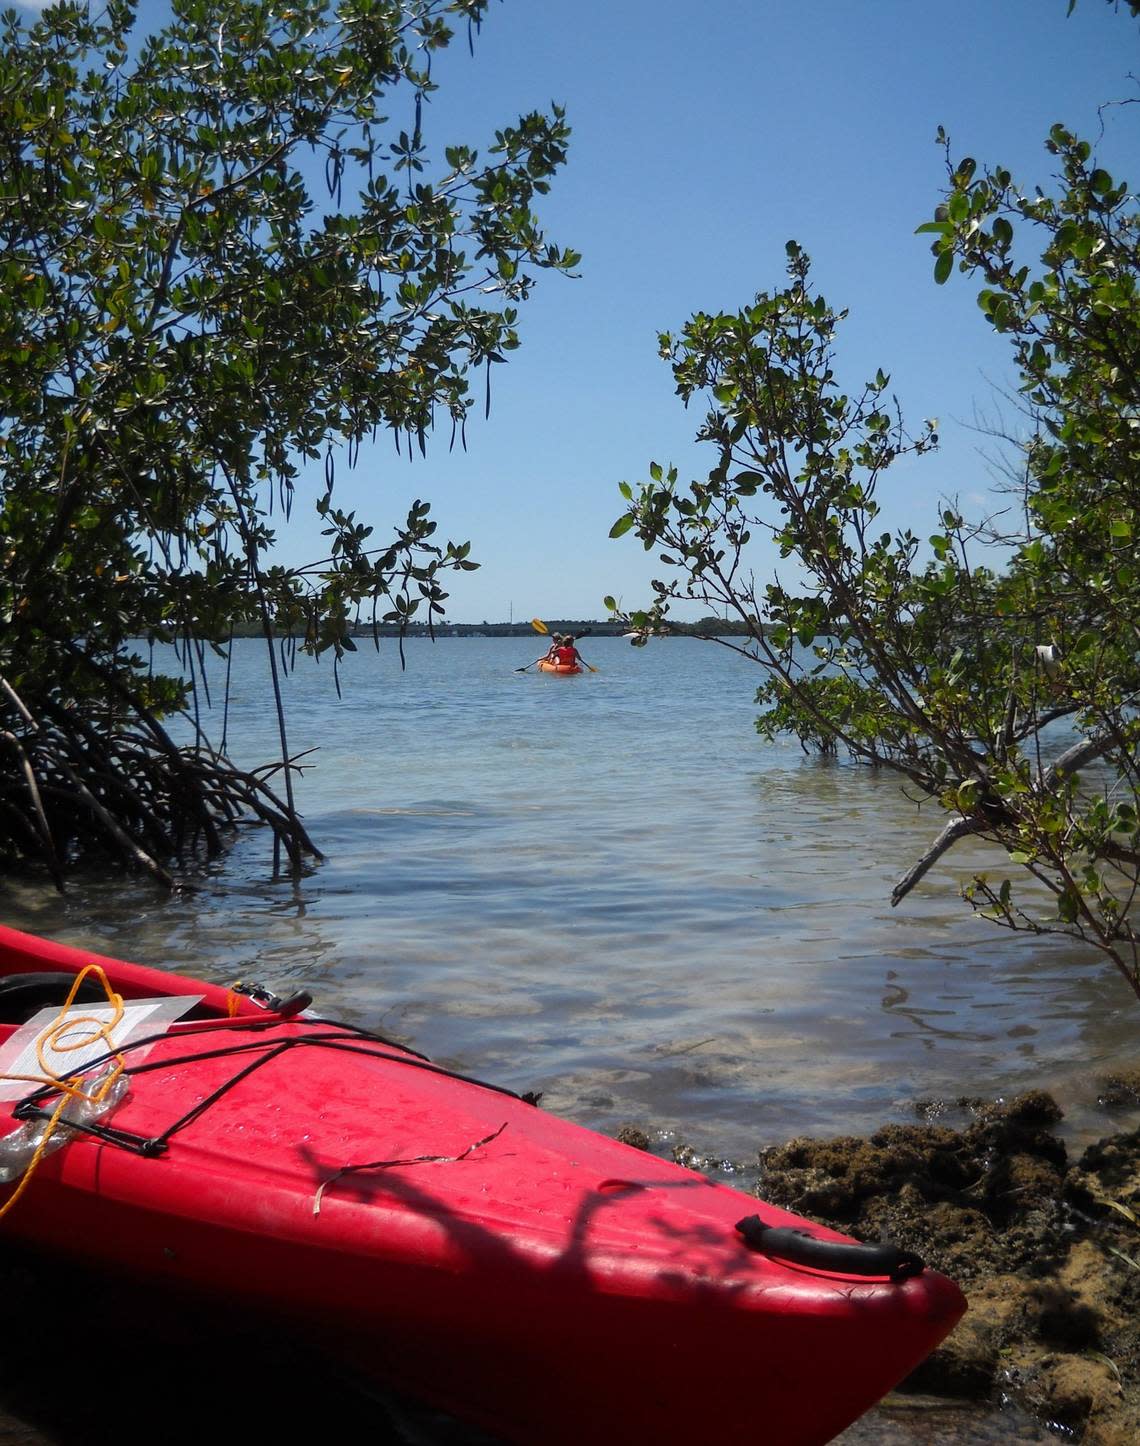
(633, 1135)
(1119, 1089)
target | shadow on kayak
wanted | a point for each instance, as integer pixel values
(92, 1360)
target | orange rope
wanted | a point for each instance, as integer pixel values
(55, 1036)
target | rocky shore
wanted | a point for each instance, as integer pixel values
(1046, 1247)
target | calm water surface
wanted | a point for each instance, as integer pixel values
(609, 888)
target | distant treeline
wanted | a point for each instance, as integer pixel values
(578, 626)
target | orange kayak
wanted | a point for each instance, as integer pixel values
(563, 668)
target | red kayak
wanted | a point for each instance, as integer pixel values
(445, 1235)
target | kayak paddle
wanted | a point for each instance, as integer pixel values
(540, 627)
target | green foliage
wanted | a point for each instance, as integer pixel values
(999, 675)
(185, 323)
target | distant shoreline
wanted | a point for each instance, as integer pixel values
(706, 627)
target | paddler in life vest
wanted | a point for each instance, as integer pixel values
(556, 641)
(568, 655)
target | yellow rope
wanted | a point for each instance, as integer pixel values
(70, 1087)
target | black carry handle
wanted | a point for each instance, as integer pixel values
(838, 1256)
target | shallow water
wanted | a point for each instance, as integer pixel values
(609, 888)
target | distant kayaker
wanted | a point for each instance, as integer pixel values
(567, 654)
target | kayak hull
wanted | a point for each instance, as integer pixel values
(564, 670)
(531, 1276)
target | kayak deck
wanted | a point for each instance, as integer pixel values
(576, 1288)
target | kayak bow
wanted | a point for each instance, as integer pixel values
(577, 1289)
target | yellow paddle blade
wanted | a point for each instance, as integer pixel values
(539, 626)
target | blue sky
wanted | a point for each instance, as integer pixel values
(705, 136)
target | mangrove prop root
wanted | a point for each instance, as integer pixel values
(73, 786)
